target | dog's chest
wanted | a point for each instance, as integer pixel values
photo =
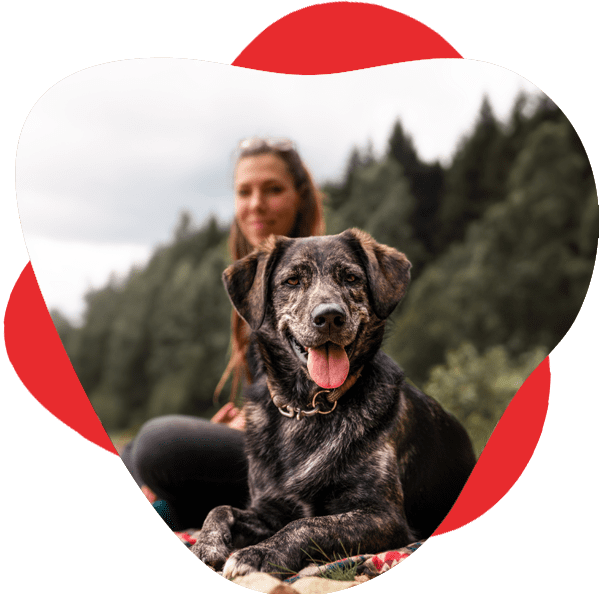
(311, 452)
(297, 454)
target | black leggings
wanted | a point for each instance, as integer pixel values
(192, 464)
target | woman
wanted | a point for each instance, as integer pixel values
(192, 464)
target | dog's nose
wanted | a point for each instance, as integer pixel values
(328, 315)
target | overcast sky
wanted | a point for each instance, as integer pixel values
(109, 156)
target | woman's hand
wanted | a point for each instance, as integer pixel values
(231, 416)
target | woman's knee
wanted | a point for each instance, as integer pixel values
(155, 444)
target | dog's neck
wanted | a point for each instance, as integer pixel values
(329, 396)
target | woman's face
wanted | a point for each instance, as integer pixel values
(266, 201)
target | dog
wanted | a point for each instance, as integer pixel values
(345, 456)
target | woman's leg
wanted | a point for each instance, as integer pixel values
(191, 463)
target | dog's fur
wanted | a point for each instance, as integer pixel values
(380, 471)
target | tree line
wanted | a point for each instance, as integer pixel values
(502, 241)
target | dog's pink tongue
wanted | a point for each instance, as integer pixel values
(328, 365)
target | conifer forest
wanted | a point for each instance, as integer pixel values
(502, 240)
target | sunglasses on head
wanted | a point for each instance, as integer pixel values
(278, 144)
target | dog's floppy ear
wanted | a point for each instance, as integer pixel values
(388, 271)
(246, 280)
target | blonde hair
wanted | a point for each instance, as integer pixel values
(309, 221)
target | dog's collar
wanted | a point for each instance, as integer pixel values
(299, 413)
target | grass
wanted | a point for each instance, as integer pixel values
(345, 572)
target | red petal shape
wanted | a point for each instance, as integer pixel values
(342, 36)
(37, 355)
(507, 452)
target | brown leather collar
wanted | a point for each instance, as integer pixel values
(332, 398)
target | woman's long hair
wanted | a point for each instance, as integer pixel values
(309, 221)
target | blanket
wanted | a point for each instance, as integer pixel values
(364, 565)
(360, 567)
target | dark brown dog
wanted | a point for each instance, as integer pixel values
(344, 456)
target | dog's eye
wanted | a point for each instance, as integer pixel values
(292, 281)
(351, 278)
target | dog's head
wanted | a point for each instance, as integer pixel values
(325, 299)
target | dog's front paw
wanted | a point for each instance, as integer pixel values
(211, 549)
(257, 558)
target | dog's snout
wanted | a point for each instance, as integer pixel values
(328, 315)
